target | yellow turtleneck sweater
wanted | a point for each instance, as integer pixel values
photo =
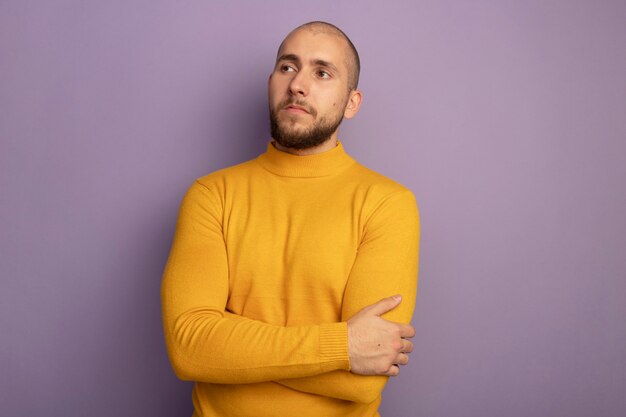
(270, 258)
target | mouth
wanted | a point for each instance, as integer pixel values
(294, 108)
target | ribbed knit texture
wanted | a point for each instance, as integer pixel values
(270, 258)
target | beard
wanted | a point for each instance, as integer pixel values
(288, 136)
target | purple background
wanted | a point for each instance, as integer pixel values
(506, 118)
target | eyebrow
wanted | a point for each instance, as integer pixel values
(297, 60)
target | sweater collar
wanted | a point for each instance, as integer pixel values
(305, 166)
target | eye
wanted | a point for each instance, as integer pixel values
(287, 68)
(323, 74)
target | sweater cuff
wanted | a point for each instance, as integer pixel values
(334, 346)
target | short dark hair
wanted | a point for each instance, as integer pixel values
(352, 60)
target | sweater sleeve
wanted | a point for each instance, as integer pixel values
(205, 343)
(386, 265)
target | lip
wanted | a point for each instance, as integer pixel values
(292, 108)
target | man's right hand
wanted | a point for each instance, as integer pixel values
(377, 346)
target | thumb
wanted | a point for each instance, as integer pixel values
(385, 305)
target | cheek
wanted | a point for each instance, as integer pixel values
(274, 96)
(275, 86)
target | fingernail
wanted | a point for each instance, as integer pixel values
(397, 297)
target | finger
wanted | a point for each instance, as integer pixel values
(384, 305)
(402, 359)
(406, 330)
(407, 346)
(393, 370)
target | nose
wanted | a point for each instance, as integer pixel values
(299, 85)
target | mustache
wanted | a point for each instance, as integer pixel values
(300, 103)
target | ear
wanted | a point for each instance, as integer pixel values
(354, 104)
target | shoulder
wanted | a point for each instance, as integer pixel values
(217, 180)
(385, 206)
(210, 189)
(376, 187)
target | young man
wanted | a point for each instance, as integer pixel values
(272, 291)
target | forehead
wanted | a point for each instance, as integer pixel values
(310, 45)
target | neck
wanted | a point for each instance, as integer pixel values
(323, 164)
(329, 144)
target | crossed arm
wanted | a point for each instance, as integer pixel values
(386, 264)
(312, 359)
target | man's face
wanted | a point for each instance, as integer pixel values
(308, 89)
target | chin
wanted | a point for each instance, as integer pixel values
(293, 128)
